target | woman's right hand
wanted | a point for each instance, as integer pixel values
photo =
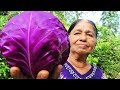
(43, 74)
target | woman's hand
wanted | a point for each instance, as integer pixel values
(43, 74)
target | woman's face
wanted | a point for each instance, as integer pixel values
(82, 38)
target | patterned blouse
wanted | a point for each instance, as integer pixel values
(69, 72)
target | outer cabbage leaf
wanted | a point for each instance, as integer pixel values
(33, 41)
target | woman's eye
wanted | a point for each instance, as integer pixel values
(76, 33)
(90, 35)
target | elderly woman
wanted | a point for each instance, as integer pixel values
(83, 39)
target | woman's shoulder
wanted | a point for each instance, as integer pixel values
(99, 74)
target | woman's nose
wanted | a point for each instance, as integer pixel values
(83, 38)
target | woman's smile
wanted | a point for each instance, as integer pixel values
(82, 45)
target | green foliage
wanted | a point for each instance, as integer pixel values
(4, 69)
(3, 20)
(71, 16)
(107, 53)
(104, 33)
(61, 16)
(110, 19)
(3, 12)
(110, 56)
(92, 60)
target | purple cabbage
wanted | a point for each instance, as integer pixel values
(34, 41)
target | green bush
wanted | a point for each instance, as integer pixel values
(107, 53)
(4, 69)
(3, 20)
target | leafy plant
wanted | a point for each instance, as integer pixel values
(3, 20)
(107, 53)
(4, 69)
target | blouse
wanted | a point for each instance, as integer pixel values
(69, 72)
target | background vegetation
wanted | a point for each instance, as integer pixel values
(107, 52)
